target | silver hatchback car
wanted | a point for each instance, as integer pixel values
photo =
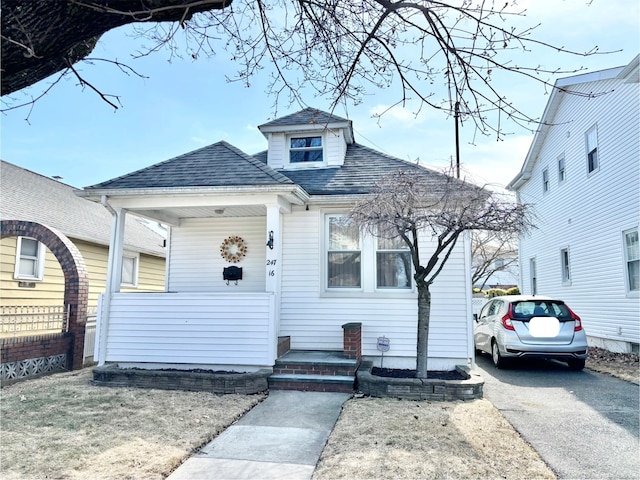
(519, 326)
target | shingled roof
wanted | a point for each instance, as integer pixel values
(220, 164)
(363, 168)
(308, 116)
(29, 196)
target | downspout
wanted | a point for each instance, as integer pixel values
(470, 323)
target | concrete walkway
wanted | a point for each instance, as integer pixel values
(281, 438)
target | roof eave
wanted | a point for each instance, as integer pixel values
(294, 193)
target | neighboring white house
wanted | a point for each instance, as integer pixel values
(582, 175)
(277, 216)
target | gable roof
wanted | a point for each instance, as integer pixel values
(363, 167)
(29, 196)
(220, 164)
(628, 73)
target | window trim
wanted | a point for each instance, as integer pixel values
(39, 261)
(136, 269)
(562, 169)
(405, 250)
(321, 148)
(368, 281)
(546, 185)
(565, 266)
(596, 165)
(625, 258)
(327, 251)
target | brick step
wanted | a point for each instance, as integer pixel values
(308, 369)
(312, 383)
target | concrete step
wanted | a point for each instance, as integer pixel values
(315, 363)
(312, 383)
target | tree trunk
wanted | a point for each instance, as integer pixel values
(424, 314)
(42, 37)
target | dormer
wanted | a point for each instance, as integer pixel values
(307, 139)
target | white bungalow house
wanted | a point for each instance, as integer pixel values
(300, 273)
(582, 174)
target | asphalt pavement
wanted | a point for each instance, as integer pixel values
(584, 425)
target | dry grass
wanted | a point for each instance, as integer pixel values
(60, 426)
(392, 439)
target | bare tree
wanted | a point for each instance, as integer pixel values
(405, 205)
(491, 253)
(440, 54)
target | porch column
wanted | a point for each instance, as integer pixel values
(273, 268)
(114, 278)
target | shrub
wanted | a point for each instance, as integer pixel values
(513, 291)
(495, 292)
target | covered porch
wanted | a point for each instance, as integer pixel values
(203, 320)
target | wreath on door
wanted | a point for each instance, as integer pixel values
(233, 249)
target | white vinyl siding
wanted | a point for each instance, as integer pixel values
(196, 264)
(591, 211)
(334, 148)
(196, 329)
(314, 317)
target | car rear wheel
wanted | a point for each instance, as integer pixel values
(498, 361)
(576, 364)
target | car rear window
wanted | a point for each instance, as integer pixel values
(540, 308)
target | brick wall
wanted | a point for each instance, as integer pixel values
(352, 341)
(76, 287)
(22, 348)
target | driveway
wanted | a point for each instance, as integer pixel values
(585, 425)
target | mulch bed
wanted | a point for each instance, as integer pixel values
(408, 373)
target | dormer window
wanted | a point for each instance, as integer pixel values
(305, 149)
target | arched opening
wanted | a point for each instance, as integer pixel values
(76, 278)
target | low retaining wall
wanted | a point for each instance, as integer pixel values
(30, 356)
(419, 389)
(199, 381)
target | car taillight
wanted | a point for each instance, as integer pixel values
(506, 321)
(577, 326)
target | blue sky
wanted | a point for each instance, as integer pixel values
(186, 104)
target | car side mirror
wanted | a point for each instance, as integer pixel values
(475, 317)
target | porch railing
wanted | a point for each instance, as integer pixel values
(33, 320)
(191, 328)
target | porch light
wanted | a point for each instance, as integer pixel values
(270, 241)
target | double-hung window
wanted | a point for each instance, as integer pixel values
(344, 254)
(592, 149)
(545, 180)
(393, 263)
(562, 174)
(305, 149)
(29, 259)
(632, 260)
